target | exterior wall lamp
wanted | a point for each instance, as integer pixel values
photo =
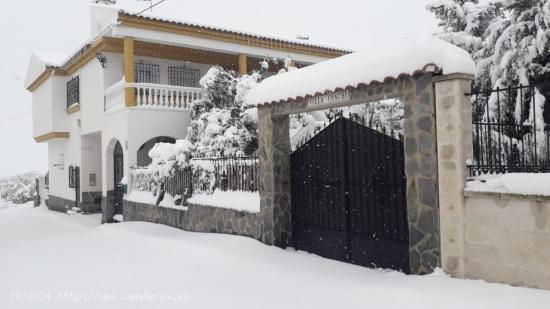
(102, 59)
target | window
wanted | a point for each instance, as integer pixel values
(73, 91)
(71, 177)
(183, 76)
(147, 73)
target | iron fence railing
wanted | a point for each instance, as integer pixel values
(509, 131)
(203, 175)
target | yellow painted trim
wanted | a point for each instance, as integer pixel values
(242, 64)
(115, 45)
(102, 45)
(73, 108)
(50, 136)
(129, 93)
(226, 36)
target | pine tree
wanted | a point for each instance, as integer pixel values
(509, 41)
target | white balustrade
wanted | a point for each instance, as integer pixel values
(114, 96)
(165, 96)
(153, 96)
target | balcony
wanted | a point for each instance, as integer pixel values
(152, 96)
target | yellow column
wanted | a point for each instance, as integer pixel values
(242, 64)
(129, 93)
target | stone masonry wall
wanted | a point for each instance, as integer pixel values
(196, 218)
(91, 202)
(59, 204)
(507, 239)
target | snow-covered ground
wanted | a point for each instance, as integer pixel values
(51, 260)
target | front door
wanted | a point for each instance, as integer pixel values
(118, 161)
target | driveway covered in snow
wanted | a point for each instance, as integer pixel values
(52, 260)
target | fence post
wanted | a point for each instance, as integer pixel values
(454, 149)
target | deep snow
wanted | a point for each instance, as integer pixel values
(66, 258)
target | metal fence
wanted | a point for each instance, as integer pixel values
(509, 133)
(203, 175)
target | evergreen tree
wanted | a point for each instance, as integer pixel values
(509, 41)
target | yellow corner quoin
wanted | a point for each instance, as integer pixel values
(129, 94)
(50, 136)
(242, 64)
(73, 108)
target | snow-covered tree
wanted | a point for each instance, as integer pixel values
(509, 41)
(221, 123)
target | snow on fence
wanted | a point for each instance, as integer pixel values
(204, 175)
(509, 131)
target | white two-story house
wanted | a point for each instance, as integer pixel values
(102, 108)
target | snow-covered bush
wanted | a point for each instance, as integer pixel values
(18, 189)
(168, 157)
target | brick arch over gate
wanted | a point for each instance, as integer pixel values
(422, 167)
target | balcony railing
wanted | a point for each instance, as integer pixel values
(152, 96)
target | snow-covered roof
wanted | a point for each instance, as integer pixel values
(51, 59)
(392, 60)
(150, 16)
(104, 18)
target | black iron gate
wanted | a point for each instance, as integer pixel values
(349, 196)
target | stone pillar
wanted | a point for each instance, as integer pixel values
(129, 94)
(421, 170)
(454, 135)
(274, 151)
(243, 67)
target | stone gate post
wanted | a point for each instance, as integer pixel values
(274, 151)
(454, 145)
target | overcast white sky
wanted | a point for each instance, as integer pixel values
(61, 25)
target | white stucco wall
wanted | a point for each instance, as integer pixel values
(70, 150)
(42, 112)
(49, 104)
(59, 92)
(91, 163)
(132, 128)
(91, 96)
